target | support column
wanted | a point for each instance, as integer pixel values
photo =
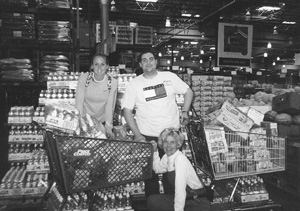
(102, 47)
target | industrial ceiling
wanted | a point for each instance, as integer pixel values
(273, 21)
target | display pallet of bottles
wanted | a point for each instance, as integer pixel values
(26, 181)
(246, 189)
(112, 198)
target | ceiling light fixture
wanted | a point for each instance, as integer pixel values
(289, 22)
(113, 6)
(265, 54)
(274, 63)
(278, 58)
(184, 12)
(268, 8)
(182, 57)
(159, 54)
(147, 0)
(168, 22)
(201, 61)
(275, 30)
(248, 16)
(201, 51)
(269, 45)
(75, 8)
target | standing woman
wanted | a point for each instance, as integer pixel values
(96, 93)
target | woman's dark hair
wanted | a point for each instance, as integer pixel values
(151, 50)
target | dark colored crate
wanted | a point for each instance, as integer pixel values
(293, 160)
(80, 163)
(287, 103)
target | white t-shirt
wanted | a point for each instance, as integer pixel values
(154, 99)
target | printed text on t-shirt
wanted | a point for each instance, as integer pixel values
(155, 92)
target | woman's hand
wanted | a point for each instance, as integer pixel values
(154, 144)
(109, 133)
(139, 138)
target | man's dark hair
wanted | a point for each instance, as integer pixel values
(151, 50)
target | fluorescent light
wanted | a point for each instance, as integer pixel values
(147, 0)
(268, 8)
(289, 22)
(75, 8)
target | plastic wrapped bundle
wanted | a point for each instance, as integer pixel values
(16, 70)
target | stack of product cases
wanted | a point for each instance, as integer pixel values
(28, 174)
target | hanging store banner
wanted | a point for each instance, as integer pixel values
(234, 45)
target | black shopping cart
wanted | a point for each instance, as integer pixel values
(81, 164)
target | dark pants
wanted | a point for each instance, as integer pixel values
(165, 202)
(151, 184)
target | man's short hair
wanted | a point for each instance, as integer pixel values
(151, 50)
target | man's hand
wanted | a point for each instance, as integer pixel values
(185, 118)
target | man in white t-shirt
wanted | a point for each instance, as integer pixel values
(152, 95)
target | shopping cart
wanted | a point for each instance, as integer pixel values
(79, 163)
(223, 154)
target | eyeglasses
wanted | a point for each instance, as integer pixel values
(174, 130)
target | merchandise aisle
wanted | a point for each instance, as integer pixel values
(85, 171)
(228, 161)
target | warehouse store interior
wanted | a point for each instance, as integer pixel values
(186, 36)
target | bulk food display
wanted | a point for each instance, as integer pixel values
(233, 142)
